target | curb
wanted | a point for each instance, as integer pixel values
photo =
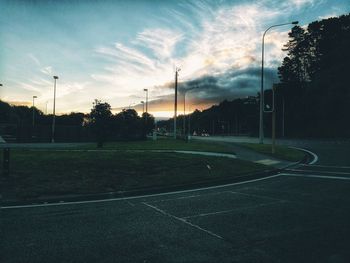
(157, 190)
(139, 192)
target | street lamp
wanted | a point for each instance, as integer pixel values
(34, 97)
(54, 110)
(261, 123)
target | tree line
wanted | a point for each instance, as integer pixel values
(99, 125)
(237, 117)
(314, 79)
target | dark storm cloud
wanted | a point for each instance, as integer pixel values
(230, 85)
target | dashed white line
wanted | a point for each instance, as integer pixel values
(182, 220)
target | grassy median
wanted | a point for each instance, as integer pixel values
(78, 170)
(166, 144)
(38, 173)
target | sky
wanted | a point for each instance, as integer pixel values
(113, 50)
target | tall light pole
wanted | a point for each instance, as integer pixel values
(54, 110)
(34, 97)
(175, 106)
(261, 122)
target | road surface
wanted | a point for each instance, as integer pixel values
(300, 215)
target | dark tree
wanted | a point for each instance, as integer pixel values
(100, 121)
(315, 79)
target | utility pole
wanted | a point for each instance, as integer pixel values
(175, 106)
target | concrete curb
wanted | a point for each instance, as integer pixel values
(156, 190)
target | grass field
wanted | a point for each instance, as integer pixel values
(282, 152)
(36, 173)
(166, 144)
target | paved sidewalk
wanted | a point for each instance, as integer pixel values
(253, 156)
(247, 154)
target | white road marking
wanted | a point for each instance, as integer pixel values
(258, 196)
(267, 161)
(325, 172)
(315, 157)
(140, 196)
(235, 209)
(318, 176)
(186, 197)
(182, 220)
(327, 166)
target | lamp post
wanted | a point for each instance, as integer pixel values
(34, 97)
(261, 122)
(54, 110)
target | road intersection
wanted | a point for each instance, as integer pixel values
(298, 215)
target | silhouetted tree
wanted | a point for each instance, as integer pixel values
(100, 120)
(315, 78)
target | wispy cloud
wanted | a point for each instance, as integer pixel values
(217, 45)
(228, 39)
(34, 59)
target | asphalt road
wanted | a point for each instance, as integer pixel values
(300, 215)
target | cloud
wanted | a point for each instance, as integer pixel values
(162, 42)
(208, 90)
(217, 45)
(47, 70)
(218, 48)
(34, 58)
